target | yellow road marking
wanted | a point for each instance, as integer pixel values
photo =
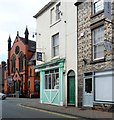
(59, 114)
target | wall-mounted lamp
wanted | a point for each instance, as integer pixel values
(34, 33)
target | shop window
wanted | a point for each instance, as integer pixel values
(52, 79)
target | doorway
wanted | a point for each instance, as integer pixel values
(88, 91)
(71, 88)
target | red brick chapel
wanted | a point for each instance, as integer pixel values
(20, 78)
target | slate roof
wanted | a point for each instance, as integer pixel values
(47, 6)
(31, 44)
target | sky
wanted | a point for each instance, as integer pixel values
(15, 15)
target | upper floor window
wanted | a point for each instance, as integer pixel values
(13, 63)
(52, 15)
(21, 61)
(98, 42)
(58, 12)
(55, 13)
(98, 5)
(30, 72)
(55, 45)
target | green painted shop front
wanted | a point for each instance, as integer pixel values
(51, 82)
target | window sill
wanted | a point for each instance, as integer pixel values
(96, 14)
(56, 57)
(55, 22)
(98, 61)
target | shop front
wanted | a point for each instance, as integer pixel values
(51, 82)
(98, 88)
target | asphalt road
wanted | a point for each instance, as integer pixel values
(11, 108)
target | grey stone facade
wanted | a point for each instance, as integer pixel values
(87, 22)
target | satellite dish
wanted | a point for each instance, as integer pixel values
(108, 45)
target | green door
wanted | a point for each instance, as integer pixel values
(71, 90)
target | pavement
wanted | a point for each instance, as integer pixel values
(72, 111)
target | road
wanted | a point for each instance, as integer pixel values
(11, 108)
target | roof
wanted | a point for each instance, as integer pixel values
(79, 2)
(33, 57)
(47, 6)
(31, 44)
(32, 60)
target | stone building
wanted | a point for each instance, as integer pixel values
(20, 78)
(95, 52)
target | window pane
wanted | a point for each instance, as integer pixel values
(58, 11)
(56, 40)
(55, 45)
(52, 16)
(88, 85)
(99, 51)
(49, 83)
(98, 38)
(56, 51)
(46, 82)
(98, 5)
(52, 80)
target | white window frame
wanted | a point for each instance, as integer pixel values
(98, 5)
(52, 20)
(58, 12)
(98, 43)
(54, 82)
(54, 47)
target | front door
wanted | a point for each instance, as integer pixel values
(71, 90)
(88, 92)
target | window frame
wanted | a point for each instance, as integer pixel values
(101, 43)
(51, 16)
(54, 47)
(13, 63)
(58, 12)
(22, 61)
(95, 9)
(50, 83)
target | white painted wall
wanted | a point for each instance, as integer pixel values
(67, 38)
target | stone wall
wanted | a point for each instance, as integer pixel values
(87, 22)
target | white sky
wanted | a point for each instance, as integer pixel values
(14, 16)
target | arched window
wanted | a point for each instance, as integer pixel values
(13, 59)
(21, 61)
(30, 72)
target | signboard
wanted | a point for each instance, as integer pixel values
(10, 81)
(40, 56)
(107, 9)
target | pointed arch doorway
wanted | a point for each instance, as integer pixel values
(71, 88)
